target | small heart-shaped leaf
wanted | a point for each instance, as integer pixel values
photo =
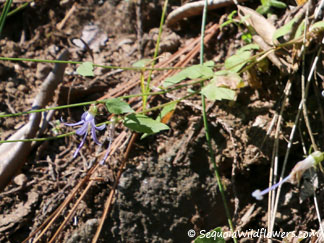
(85, 69)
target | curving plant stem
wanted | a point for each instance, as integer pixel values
(207, 134)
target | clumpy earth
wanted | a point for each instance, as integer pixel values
(168, 185)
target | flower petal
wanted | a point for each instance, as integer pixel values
(259, 194)
(82, 130)
(84, 115)
(81, 144)
(74, 124)
(94, 136)
(102, 127)
(107, 153)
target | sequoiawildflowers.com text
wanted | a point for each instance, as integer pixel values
(260, 233)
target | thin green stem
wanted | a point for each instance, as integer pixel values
(4, 14)
(99, 124)
(168, 103)
(207, 134)
(16, 59)
(143, 88)
(37, 139)
(157, 46)
(101, 101)
(24, 5)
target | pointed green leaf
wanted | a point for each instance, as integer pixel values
(166, 109)
(236, 62)
(85, 69)
(213, 236)
(278, 4)
(318, 26)
(263, 9)
(229, 19)
(175, 78)
(118, 106)
(284, 30)
(212, 92)
(199, 71)
(192, 72)
(300, 29)
(143, 124)
(248, 47)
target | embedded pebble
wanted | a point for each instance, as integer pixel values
(20, 179)
(22, 88)
(10, 87)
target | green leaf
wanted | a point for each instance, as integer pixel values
(318, 26)
(166, 109)
(229, 19)
(85, 69)
(277, 4)
(284, 30)
(247, 37)
(248, 47)
(227, 22)
(212, 92)
(213, 236)
(227, 79)
(192, 72)
(230, 16)
(182, 75)
(300, 29)
(118, 106)
(263, 9)
(199, 71)
(209, 64)
(236, 62)
(222, 72)
(142, 63)
(143, 124)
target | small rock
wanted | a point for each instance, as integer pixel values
(22, 88)
(84, 233)
(10, 87)
(53, 49)
(20, 179)
(259, 122)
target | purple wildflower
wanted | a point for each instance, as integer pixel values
(87, 121)
(296, 173)
(259, 194)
